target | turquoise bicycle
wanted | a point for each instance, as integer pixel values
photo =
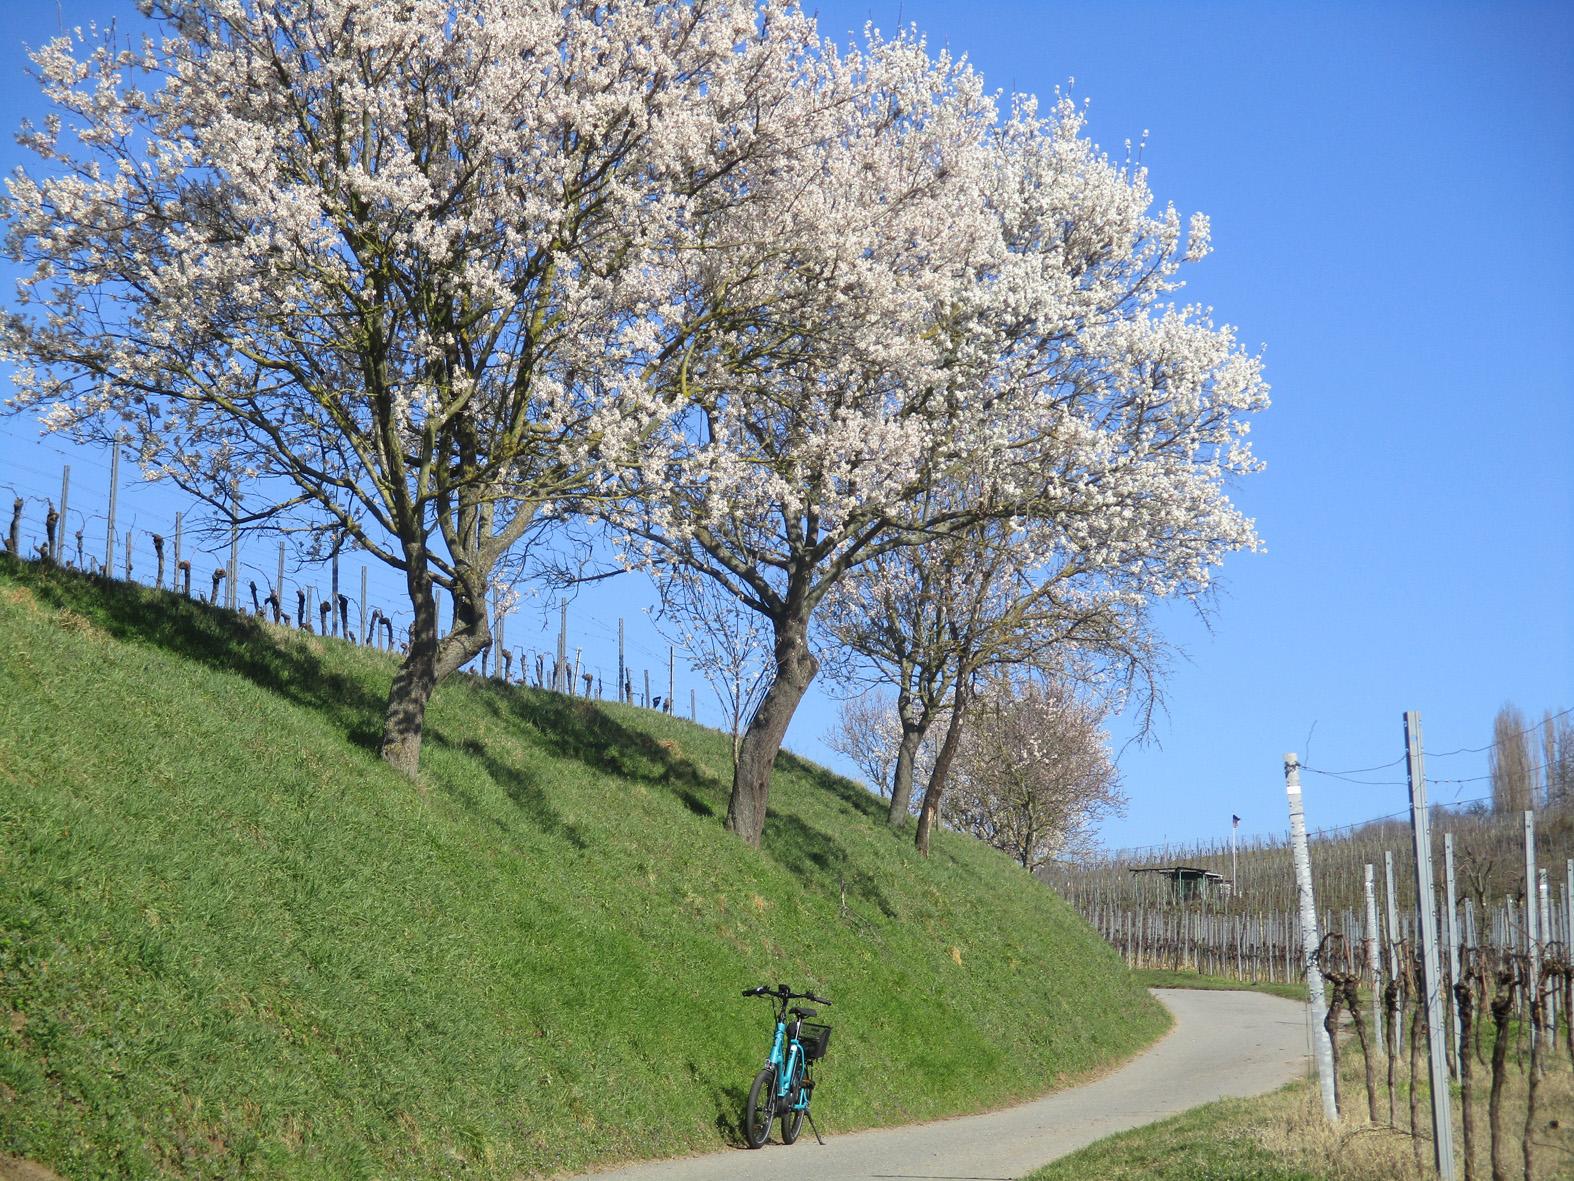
(785, 1085)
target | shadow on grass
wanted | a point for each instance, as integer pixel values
(573, 728)
(220, 639)
(850, 793)
(729, 1113)
(814, 857)
(522, 787)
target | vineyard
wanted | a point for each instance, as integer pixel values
(1506, 925)
(1184, 907)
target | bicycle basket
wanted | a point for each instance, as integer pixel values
(815, 1039)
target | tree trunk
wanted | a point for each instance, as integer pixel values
(1331, 1026)
(796, 666)
(1352, 999)
(913, 728)
(430, 659)
(1391, 1008)
(1538, 1040)
(1502, 1009)
(935, 789)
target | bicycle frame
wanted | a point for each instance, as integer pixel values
(786, 1053)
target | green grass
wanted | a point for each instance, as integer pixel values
(1164, 978)
(1284, 1136)
(1216, 1142)
(233, 943)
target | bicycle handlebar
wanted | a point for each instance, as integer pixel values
(783, 993)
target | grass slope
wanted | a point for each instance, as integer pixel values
(233, 943)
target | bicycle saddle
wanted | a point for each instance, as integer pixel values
(797, 1012)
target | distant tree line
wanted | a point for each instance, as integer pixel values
(1531, 764)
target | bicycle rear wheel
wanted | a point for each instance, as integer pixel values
(761, 1108)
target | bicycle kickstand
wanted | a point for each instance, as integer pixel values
(813, 1126)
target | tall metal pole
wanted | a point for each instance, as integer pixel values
(562, 649)
(361, 626)
(114, 490)
(1453, 942)
(178, 517)
(502, 646)
(60, 532)
(234, 566)
(1533, 935)
(1322, 1047)
(622, 676)
(1426, 916)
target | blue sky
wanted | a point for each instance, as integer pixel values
(1392, 195)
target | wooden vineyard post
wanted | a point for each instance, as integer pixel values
(1322, 1046)
(1426, 917)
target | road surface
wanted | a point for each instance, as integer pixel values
(1222, 1044)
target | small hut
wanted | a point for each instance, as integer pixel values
(1190, 883)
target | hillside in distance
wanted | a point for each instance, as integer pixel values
(234, 944)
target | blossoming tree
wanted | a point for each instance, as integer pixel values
(401, 265)
(1034, 772)
(930, 296)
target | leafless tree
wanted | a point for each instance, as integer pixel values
(728, 645)
(1557, 757)
(869, 731)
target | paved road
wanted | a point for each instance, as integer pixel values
(1222, 1044)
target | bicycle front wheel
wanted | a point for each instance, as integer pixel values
(762, 1106)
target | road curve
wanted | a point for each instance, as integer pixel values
(1222, 1044)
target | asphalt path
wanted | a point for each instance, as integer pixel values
(1222, 1044)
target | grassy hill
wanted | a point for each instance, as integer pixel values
(233, 943)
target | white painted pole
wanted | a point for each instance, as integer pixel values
(1321, 1046)
(1391, 925)
(1374, 964)
(1426, 917)
(1453, 943)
